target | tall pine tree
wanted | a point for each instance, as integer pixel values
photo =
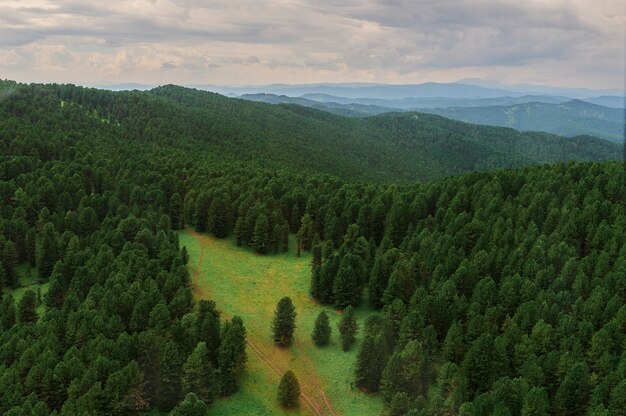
(284, 322)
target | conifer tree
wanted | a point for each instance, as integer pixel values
(306, 232)
(198, 374)
(7, 312)
(169, 376)
(9, 261)
(27, 308)
(261, 234)
(176, 217)
(288, 390)
(321, 331)
(232, 355)
(348, 328)
(191, 406)
(239, 230)
(283, 324)
(31, 247)
(371, 361)
(48, 251)
(346, 287)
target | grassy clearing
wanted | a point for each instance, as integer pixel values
(28, 278)
(249, 285)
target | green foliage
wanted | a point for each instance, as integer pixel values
(322, 329)
(288, 390)
(284, 322)
(199, 375)
(348, 328)
(191, 406)
(27, 308)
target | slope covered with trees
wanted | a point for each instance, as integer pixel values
(499, 292)
(572, 118)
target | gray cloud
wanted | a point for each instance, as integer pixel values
(566, 42)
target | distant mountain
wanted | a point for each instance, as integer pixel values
(532, 89)
(435, 102)
(572, 118)
(608, 101)
(376, 91)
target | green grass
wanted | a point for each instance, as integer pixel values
(28, 278)
(249, 285)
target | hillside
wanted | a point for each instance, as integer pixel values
(142, 259)
(569, 119)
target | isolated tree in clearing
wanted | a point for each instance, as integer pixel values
(288, 390)
(284, 321)
(321, 331)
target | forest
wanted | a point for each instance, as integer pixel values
(498, 291)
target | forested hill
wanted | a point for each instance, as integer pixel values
(385, 148)
(568, 119)
(500, 293)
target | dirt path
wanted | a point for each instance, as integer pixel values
(319, 406)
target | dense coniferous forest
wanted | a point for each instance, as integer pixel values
(499, 292)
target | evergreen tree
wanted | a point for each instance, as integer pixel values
(346, 289)
(572, 395)
(348, 328)
(408, 371)
(321, 331)
(170, 376)
(372, 356)
(7, 312)
(399, 405)
(31, 247)
(27, 308)
(176, 217)
(261, 234)
(536, 403)
(232, 355)
(9, 261)
(306, 232)
(198, 374)
(288, 390)
(48, 251)
(191, 406)
(283, 324)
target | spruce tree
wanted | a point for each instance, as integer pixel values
(321, 331)
(348, 328)
(9, 261)
(7, 312)
(283, 324)
(232, 355)
(198, 374)
(170, 376)
(346, 287)
(191, 406)
(371, 361)
(239, 230)
(176, 217)
(288, 390)
(306, 232)
(261, 234)
(27, 308)
(48, 251)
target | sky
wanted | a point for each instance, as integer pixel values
(566, 43)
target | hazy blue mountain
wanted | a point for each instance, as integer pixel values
(608, 101)
(378, 91)
(543, 89)
(572, 118)
(435, 102)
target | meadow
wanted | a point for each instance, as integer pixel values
(249, 285)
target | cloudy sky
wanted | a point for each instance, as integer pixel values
(575, 43)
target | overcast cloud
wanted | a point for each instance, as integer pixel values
(575, 43)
